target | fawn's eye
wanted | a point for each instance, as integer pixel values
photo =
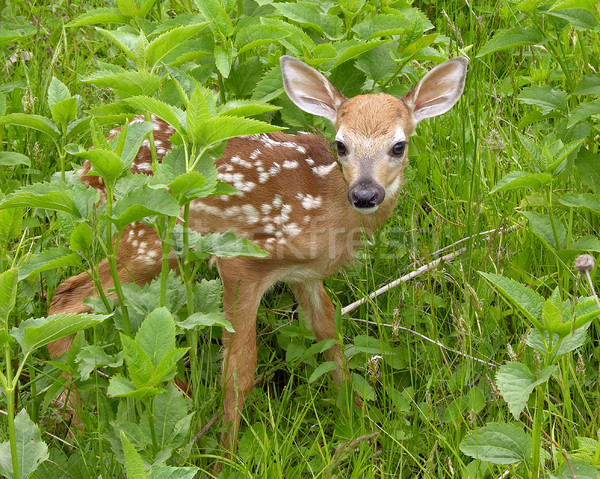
(341, 148)
(399, 148)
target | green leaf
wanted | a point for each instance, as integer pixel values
(10, 225)
(362, 387)
(31, 450)
(227, 245)
(498, 443)
(156, 335)
(381, 25)
(521, 179)
(171, 472)
(8, 294)
(64, 112)
(57, 92)
(164, 44)
(172, 115)
(316, 348)
(126, 41)
(92, 357)
(257, 35)
(269, 87)
(48, 259)
(526, 300)
(516, 382)
(515, 37)
(217, 17)
(166, 368)
(582, 111)
(11, 33)
(582, 200)
(321, 369)
(588, 165)
(98, 16)
(138, 362)
(105, 163)
(35, 122)
(127, 84)
(578, 18)
(169, 410)
(133, 461)
(223, 59)
(546, 98)
(123, 387)
(246, 108)
(134, 137)
(141, 202)
(312, 15)
(49, 196)
(588, 85)
(204, 320)
(569, 343)
(541, 224)
(223, 127)
(34, 333)
(354, 51)
(10, 158)
(189, 186)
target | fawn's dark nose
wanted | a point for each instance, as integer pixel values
(365, 195)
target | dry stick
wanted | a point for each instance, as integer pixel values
(404, 279)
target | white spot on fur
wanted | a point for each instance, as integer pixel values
(269, 229)
(252, 215)
(310, 161)
(323, 170)
(265, 208)
(290, 164)
(254, 155)
(263, 177)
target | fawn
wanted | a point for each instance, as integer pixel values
(297, 199)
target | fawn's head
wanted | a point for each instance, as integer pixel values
(373, 130)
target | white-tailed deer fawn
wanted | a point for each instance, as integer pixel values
(301, 200)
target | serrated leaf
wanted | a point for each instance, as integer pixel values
(321, 369)
(171, 472)
(312, 15)
(34, 333)
(8, 293)
(120, 386)
(588, 165)
(354, 51)
(64, 112)
(92, 357)
(198, 111)
(516, 382)
(381, 25)
(578, 18)
(223, 127)
(582, 111)
(189, 186)
(269, 87)
(257, 35)
(223, 60)
(138, 362)
(526, 300)
(581, 200)
(164, 44)
(546, 98)
(31, 450)
(50, 258)
(515, 37)
(141, 202)
(169, 410)
(57, 92)
(10, 225)
(521, 179)
(35, 122)
(133, 461)
(217, 17)
(498, 443)
(166, 368)
(246, 108)
(226, 245)
(98, 16)
(105, 163)
(135, 135)
(128, 84)
(49, 196)
(156, 335)
(172, 115)
(541, 225)
(569, 343)
(126, 41)
(204, 320)
(11, 158)
(10, 33)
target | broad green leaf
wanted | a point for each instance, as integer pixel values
(362, 387)
(526, 300)
(515, 37)
(126, 41)
(586, 243)
(77, 127)
(198, 111)
(354, 51)
(269, 87)
(312, 15)
(35, 122)
(588, 165)
(317, 348)
(521, 179)
(105, 163)
(224, 127)
(134, 137)
(382, 25)
(217, 17)
(172, 115)
(120, 386)
(35, 333)
(223, 59)
(31, 450)
(50, 258)
(139, 364)
(64, 112)
(98, 16)
(321, 369)
(171, 472)
(418, 45)
(516, 382)
(578, 18)
(164, 44)
(498, 443)
(544, 97)
(569, 343)
(92, 357)
(81, 238)
(57, 92)
(10, 225)
(49, 196)
(204, 320)
(581, 200)
(582, 469)
(246, 108)
(128, 84)
(142, 202)
(588, 85)
(226, 245)
(166, 368)
(11, 33)
(11, 158)
(169, 409)
(133, 461)
(257, 35)
(189, 186)
(582, 111)
(541, 224)
(156, 335)
(8, 294)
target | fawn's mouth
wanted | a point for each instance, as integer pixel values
(366, 211)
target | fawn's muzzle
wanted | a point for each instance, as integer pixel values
(366, 195)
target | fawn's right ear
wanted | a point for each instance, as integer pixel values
(310, 90)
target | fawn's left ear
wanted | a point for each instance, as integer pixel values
(439, 90)
(309, 89)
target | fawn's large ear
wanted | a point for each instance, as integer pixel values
(310, 90)
(439, 90)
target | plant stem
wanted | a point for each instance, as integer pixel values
(164, 272)
(10, 412)
(536, 439)
(150, 408)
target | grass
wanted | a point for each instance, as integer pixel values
(431, 389)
